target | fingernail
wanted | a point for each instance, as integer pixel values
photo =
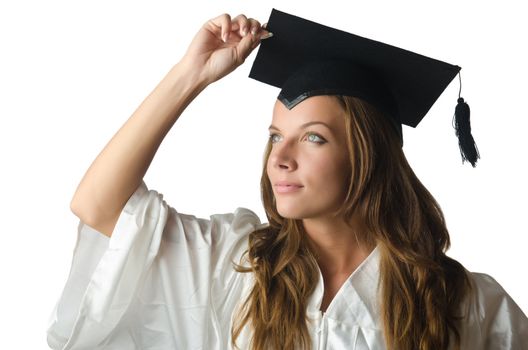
(224, 37)
(265, 25)
(253, 30)
(244, 31)
(266, 36)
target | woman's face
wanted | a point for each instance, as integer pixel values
(308, 165)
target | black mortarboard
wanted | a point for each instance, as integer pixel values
(305, 59)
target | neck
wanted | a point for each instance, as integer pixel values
(339, 247)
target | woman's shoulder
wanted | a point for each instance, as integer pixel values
(487, 290)
(245, 214)
(494, 313)
(489, 296)
(485, 286)
(144, 193)
(241, 222)
(239, 213)
(239, 219)
(221, 230)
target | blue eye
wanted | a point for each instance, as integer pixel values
(274, 138)
(316, 138)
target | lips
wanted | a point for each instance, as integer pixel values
(287, 187)
(286, 183)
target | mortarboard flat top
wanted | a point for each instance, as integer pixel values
(305, 58)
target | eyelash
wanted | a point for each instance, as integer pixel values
(323, 141)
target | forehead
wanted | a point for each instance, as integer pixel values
(316, 108)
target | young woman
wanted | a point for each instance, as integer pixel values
(353, 256)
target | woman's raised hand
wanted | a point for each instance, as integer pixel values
(221, 45)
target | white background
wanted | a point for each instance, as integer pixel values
(72, 72)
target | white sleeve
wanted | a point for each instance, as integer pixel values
(154, 283)
(497, 321)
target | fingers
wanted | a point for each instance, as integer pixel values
(257, 33)
(226, 26)
(241, 33)
(221, 25)
(248, 44)
(240, 25)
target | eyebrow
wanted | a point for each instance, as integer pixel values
(305, 125)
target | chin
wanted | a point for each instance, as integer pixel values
(297, 211)
(291, 216)
(292, 212)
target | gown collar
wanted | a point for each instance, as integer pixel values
(356, 301)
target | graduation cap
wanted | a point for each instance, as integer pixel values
(305, 59)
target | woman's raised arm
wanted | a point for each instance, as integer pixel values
(221, 45)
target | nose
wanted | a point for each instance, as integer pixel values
(283, 157)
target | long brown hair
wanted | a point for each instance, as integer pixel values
(421, 288)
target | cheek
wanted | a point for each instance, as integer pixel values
(328, 175)
(325, 168)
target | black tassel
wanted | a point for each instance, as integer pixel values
(468, 148)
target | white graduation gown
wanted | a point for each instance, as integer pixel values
(164, 280)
